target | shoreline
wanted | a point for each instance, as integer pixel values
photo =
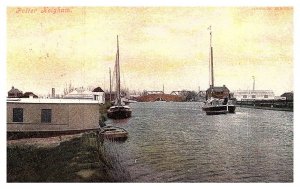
(74, 157)
(70, 158)
(266, 108)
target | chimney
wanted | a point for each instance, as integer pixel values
(53, 92)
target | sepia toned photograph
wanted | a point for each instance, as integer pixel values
(150, 94)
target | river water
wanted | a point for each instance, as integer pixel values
(178, 142)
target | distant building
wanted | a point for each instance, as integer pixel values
(98, 89)
(81, 93)
(288, 96)
(14, 93)
(218, 92)
(29, 95)
(49, 116)
(98, 94)
(253, 95)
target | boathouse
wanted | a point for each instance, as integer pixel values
(51, 116)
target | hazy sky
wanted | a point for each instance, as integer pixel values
(158, 46)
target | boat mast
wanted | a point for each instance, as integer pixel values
(118, 74)
(211, 61)
(109, 85)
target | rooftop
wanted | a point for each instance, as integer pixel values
(51, 101)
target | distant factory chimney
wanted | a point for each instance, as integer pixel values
(253, 82)
(53, 93)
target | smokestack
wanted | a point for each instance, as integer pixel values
(53, 93)
(253, 87)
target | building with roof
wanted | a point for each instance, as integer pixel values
(29, 95)
(253, 95)
(288, 96)
(36, 116)
(14, 93)
(81, 93)
(218, 92)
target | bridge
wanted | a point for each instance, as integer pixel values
(160, 97)
(175, 96)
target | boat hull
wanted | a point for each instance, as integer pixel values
(119, 114)
(216, 110)
(114, 133)
(231, 109)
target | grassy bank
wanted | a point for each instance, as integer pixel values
(80, 158)
(103, 113)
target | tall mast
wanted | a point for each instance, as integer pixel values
(211, 61)
(118, 74)
(109, 85)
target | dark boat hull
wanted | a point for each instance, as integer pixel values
(119, 114)
(231, 109)
(114, 133)
(216, 110)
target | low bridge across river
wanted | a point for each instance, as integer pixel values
(160, 97)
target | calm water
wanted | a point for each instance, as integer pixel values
(177, 142)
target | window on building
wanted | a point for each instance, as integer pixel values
(253, 96)
(18, 115)
(96, 97)
(265, 96)
(244, 96)
(46, 116)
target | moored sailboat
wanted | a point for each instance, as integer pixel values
(118, 111)
(216, 104)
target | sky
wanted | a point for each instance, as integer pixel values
(159, 46)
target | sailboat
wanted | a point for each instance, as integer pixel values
(216, 104)
(118, 111)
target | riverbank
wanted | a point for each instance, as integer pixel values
(83, 157)
(73, 158)
(267, 108)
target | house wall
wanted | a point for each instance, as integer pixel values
(64, 117)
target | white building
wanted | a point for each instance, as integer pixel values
(253, 95)
(80, 93)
